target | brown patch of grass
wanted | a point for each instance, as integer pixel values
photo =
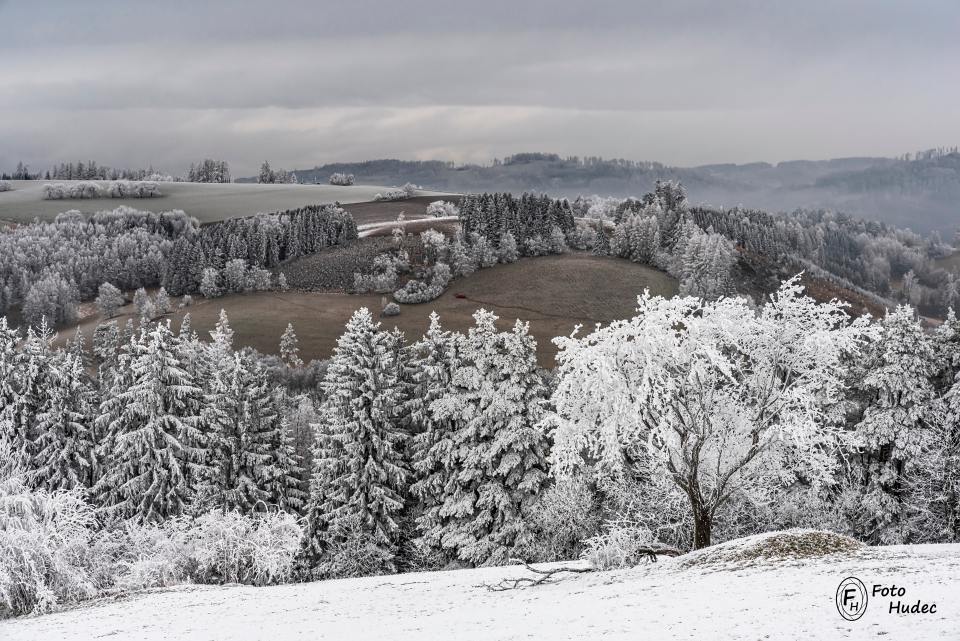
(553, 293)
(786, 545)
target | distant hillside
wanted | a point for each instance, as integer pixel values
(921, 193)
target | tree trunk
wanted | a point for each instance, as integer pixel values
(702, 524)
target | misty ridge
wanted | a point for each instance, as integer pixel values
(919, 191)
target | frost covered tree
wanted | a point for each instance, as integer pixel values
(141, 302)
(725, 401)
(638, 237)
(601, 244)
(508, 251)
(109, 299)
(235, 276)
(490, 452)
(266, 174)
(900, 409)
(359, 473)
(432, 362)
(149, 431)
(64, 457)
(289, 351)
(210, 283)
(248, 447)
(29, 382)
(161, 303)
(706, 265)
(51, 297)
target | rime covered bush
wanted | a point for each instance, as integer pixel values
(442, 209)
(384, 272)
(71, 191)
(44, 546)
(392, 194)
(567, 515)
(133, 189)
(5, 185)
(232, 547)
(421, 291)
(342, 179)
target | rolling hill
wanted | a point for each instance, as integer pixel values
(208, 202)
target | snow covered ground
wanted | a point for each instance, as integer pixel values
(731, 600)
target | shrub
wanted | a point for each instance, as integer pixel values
(617, 546)
(537, 246)
(392, 194)
(133, 189)
(351, 550)
(415, 291)
(342, 179)
(235, 548)
(44, 541)
(566, 515)
(442, 209)
(391, 309)
(78, 190)
(5, 186)
(378, 283)
(386, 268)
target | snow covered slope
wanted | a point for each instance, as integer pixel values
(741, 600)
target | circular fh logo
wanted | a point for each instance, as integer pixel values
(851, 598)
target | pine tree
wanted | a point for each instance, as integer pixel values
(358, 467)
(148, 423)
(289, 352)
(496, 465)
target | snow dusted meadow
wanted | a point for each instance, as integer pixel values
(711, 597)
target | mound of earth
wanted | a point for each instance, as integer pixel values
(784, 545)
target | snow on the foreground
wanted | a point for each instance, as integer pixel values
(713, 598)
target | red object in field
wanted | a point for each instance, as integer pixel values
(459, 295)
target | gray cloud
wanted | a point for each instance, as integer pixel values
(303, 83)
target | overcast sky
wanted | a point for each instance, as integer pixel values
(302, 83)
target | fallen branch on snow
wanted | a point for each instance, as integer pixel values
(544, 576)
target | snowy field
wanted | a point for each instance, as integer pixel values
(208, 202)
(731, 600)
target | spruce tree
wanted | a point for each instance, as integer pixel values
(432, 363)
(497, 460)
(900, 406)
(64, 457)
(359, 473)
(147, 425)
